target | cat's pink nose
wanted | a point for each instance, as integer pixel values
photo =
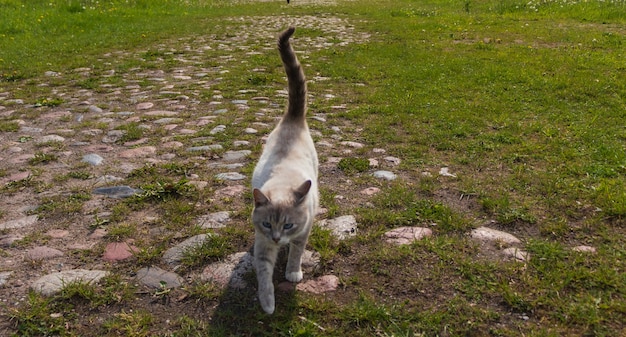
(276, 239)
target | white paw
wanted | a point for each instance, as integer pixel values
(267, 303)
(294, 276)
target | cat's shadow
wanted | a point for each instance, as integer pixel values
(239, 313)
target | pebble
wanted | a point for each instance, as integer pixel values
(157, 278)
(342, 227)
(229, 272)
(117, 192)
(94, 109)
(584, 249)
(144, 105)
(407, 235)
(93, 159)
(53, 283)
(214, 220)
(42, 253)
(19, 223)
(489, 234)
(218, 129)
(176, 253)
(230, 191)
(118, 251)
(516, 253)
(139, 152)
(445, 172)
(4, 277)
(205, 148)
(370, 191)
(387, 175)
(236, 155)
(233, 176)
(352, 144)
(50, 139)
(319, 285)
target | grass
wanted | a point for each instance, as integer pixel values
(522, 100)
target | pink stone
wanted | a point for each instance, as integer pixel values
(145, 105)
(99, 148)
(136, 142)
(16, 177)
(162, 113)
(230, 191)
(170, 127)
(407, 235)
(57, 233)
(117, 251)
(42, 252)
(21, 159)
(140, 152)
(286, 286)
(172, 145)
(55, 115)
(320, 285)
(99, 233)
(370, 191)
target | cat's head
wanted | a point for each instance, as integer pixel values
(281, 215)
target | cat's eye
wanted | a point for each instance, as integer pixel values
(288, 226)
(267, 224)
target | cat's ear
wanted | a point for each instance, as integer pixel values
(259, 198)
(302, 191)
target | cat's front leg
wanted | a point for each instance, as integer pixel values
(264, 260)
(293, 271)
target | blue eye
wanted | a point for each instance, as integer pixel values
(267, 224)
(288, 226)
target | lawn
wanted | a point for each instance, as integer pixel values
(523, 101)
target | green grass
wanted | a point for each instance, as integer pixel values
(522, 100)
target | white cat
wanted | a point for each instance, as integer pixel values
(284, 185)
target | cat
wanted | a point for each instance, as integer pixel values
(284, 185)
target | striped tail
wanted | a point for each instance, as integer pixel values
(297, 83)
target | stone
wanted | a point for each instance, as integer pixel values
(205, 148)
(218, 129)
(144, 105)
(53, 283)
(370, 191)
(220, 111)
(230, 176)
(516, 253)
(7, 240)
(387, 175)
(230, 191)
(445, 172)
(162, 113)
(168, 120)
(176, 253)
(392, 160)
(107, 179)
(157, 278)
(342, 227)
(49, 139)
(584, 249)
(489, 234)
(15, 177)
(352, 144)
(214, 220)
(239, 101)
(117, 192)
(42, 252)
(407, 235)
(4, 277)
(19, 223)
(319, 285)
(57, 233)
(230, 272)
(118, 251)
(235, 155)
(250, 131)
(139, 152)
(94, 109)
(93, 159)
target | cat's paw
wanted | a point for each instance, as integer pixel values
(294, 276)
(267, 303)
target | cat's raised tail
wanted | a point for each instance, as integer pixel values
(296, 110)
